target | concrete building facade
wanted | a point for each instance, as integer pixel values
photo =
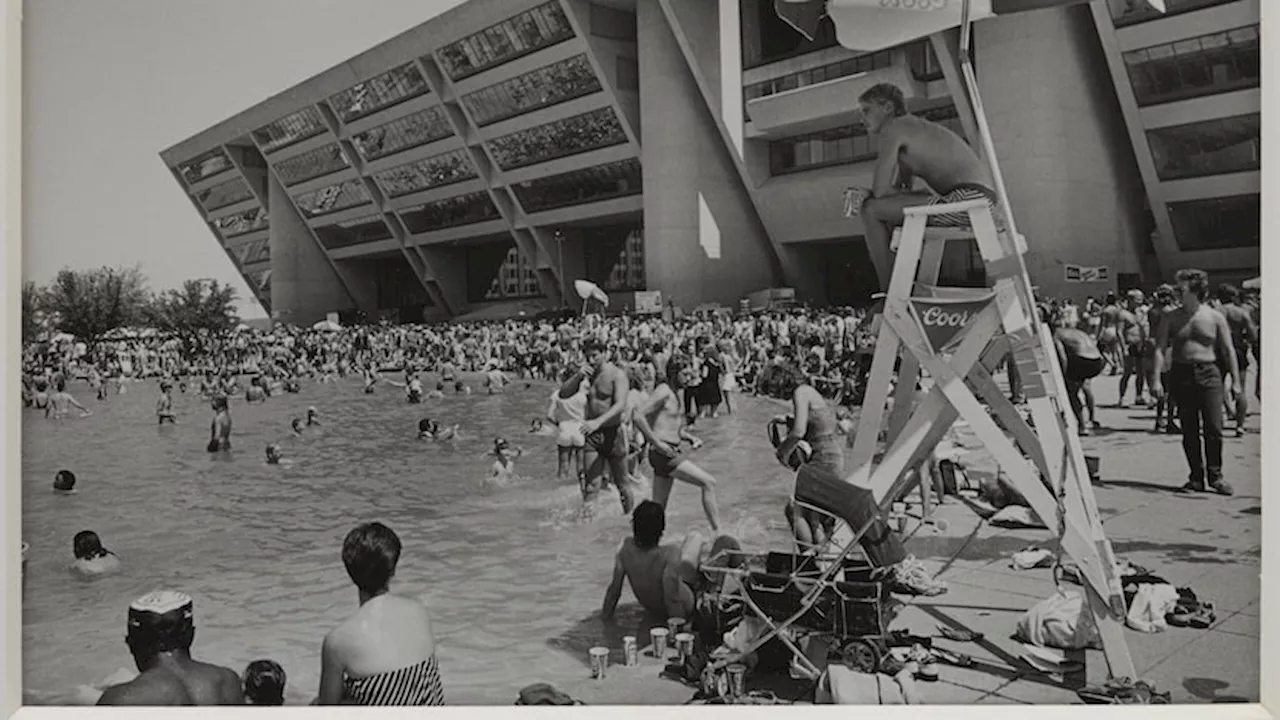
(476, 165)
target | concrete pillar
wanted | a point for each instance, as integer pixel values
(304, 285)
(701, 244)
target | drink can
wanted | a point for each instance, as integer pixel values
(658, 638)
(737, 679)
(684, 646)
(630, 651)
(722, 683)
(599, 662)
(675, 625)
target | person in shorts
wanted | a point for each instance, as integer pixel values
(1081, 362)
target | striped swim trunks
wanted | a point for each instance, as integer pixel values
(960, 193)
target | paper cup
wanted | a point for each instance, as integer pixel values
(658, 641)
(599, 662)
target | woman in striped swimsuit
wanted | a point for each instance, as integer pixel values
(384, 654)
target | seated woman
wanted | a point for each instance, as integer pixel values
(384, 654)
(92, 560)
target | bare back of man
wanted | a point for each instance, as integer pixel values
(178, 682)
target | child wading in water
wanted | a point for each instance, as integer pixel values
(220, 428)
(164, 404)
(504, 467)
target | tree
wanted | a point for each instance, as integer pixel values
(198, 307)
(33, 313)
(91, 303)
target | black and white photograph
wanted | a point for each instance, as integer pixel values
(639, 352)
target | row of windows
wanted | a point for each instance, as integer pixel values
(570, 136)
(371, 228)
(290, 129)
(1194, 67)
(241, 223)
(516, 278)
(592, 184)
(225, 193)
(312, 164)
(842, 145)
(537, 28)
(461, 210)
(403, 133)
(333, 198)
(1132, 12)
(444, 169)
(206, 165)
(1218, 223)
(1211, 147)
(261, 282)
(254, 252)
(844, 68)
(394, 86)
(545, 86)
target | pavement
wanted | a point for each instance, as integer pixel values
(1208, 542)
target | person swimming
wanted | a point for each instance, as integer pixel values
(431, 430)
(313, 416)
(461, 388)
(92, 559)
(264, 682)
(61, 402)
(503, 470)
(438, 392)
(64, 482)
(296, 425)
(273, 453)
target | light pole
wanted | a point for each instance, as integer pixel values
(564, 298)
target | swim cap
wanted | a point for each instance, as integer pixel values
(64, 480)
(161, 621)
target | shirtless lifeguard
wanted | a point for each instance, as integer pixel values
(909, 147)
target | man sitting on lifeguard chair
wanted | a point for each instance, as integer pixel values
(911, 147)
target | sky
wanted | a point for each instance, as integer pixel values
(108, 84)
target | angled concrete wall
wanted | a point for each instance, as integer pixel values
(304, 285)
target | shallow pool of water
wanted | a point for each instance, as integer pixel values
(514, 581)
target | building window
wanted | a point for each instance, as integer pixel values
(436, 171)
(767, 38)
(804, 78)
(385, 90)
(842, 145)
(573, 135)
(1132, 12)
(312, 164)
(260, 281)
(1195, 67)
(225, 193)
(613, 257)
(254, 252)
(516, 276)
(407, 132)
(207, 165)
(370, 228)
(1211, 147)
(461, 210)
(603, 182)
(333, 198)
(525, 33)
(565, 80)
(923, 61)
(289, 129)
(241, 223)
(1218, 223)
(398, 285)
(613, 24)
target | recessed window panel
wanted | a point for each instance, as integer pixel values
(1205, 65)
(565, 80)
(225, 193)
(254, 252)
(527, 32)
(376, 93)
(406, 132)
(312, 164)
(1218, 223)
(602, 182)
(842, 145)
(333, 198)
(570, 136)
(207, 165)
(290, 129)
(436, 171)
(843, 68)
(359, 231)
(1132, 12)
(1211, 147)
(241, 223)
(461, 210)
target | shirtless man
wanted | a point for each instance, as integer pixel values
(61, 402)
(910, 147)
(1108, 333)
(1244, 336)
(1201, 342)
(164, 404)
(160, 634)
(220, 428)
(605, 441)
(1166, 409)
(1081, 362)
(662, 424)
(664, 578)
(1134, 335)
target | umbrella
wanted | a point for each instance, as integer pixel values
(588, 291)
(1254, 284)
(327, 326)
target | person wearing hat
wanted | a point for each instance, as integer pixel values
(160, 633)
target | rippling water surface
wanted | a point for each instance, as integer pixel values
(514, 581)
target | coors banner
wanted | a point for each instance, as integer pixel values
(943, 320)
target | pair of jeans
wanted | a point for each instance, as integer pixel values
(1197, 389)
